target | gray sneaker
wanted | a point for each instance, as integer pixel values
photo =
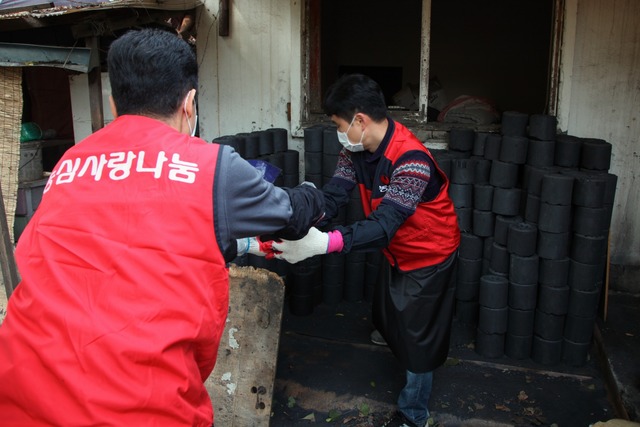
(377, 338)
(399, 420)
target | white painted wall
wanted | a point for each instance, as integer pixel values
(80, 105)
(600, 98)
(246, 78)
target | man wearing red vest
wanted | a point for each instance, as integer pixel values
(410, 216)
(124, 291)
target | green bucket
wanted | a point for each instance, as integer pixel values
(30, 131)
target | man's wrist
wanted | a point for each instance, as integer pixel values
(244, 245)
(336, 243)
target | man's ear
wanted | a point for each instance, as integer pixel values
(189, 102)
(112, 104)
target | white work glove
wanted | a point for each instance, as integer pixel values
(314, 243)
(254, 246)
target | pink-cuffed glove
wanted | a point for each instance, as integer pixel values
(255, 246)
(314, 243)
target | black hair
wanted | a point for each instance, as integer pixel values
(150, 72)
(355, 93)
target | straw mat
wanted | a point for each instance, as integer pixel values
(10, 122)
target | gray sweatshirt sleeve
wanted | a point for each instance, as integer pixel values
(245, 205)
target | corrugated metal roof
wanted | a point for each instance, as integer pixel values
(35, 9)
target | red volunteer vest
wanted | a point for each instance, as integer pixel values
(431, 234)
(124, 291)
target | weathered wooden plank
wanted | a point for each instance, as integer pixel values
(10, 276)
(241, 385)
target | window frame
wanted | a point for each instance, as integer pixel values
(310, 99)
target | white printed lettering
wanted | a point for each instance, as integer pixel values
(182, 171)
(120, 165)
(157, 169)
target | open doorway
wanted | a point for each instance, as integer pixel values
(373, 38)
(498, 50)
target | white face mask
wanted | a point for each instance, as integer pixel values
(344, 139)
(192, 131)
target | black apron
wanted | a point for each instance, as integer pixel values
(413, 311)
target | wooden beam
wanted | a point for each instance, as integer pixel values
(95, 88)
(555, 57)
(606, 279)
(425, 52)
(314, 54)
(223, 18)
(10, 274)
(30, 55)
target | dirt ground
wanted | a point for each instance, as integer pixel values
(329, 373)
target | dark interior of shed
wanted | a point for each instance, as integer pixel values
(497, 50)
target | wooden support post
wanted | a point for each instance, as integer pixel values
(606, 279)
(223, 18)
(10, 275)
(95, 88)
